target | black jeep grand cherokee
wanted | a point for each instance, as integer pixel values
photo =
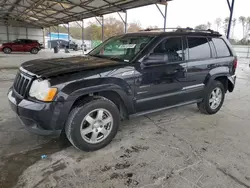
(128, 75)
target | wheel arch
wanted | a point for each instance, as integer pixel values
(221, 74)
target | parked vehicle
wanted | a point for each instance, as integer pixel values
(127, 76)
(65, 44)
(21, 45)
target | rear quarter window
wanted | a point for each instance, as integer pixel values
(221, 47)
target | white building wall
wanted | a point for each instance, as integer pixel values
(19, 33)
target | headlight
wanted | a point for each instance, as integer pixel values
(41, 90)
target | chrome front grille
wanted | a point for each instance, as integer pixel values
(22, 84)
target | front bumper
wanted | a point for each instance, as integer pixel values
(38, 118)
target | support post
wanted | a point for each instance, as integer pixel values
(50, 37)
(58, 32)
(7, 30)
(44, 37)
(164, 15)
(231, 8)
(102, 25)
(102, 29)
(124, 20)
(83, 34)
(68, 34)
(26, 33)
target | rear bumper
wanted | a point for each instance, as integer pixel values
(231, 83)
(38, 118)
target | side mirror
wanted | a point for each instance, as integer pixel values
(155, 58)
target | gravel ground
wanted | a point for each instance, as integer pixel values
(178, 148)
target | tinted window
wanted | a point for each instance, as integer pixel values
(28, 41)
(221, 48)
(198, 48)
(172, 47)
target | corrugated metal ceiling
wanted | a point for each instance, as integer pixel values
(44, 13)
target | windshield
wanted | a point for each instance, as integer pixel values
(122, 48)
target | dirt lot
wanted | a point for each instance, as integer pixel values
(178, 148)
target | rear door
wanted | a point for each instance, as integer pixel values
(28, 45)
(201, 59)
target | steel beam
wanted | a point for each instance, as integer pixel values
(164, 15)
(102, 29)
(124, 20)
(231, 9)
(83, 34)
(58, 32)
(26, 33)
(50, 37)
(68, 34)
(8, 34)
(43, 37)
(102, 25)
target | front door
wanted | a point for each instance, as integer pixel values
(17, 46)
(161, 76)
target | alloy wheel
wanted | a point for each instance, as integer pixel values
(96, 126)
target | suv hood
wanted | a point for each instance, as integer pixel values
(54, 67)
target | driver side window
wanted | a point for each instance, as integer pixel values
(171, 48)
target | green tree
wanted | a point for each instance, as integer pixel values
(201, 27)
(218, 23)
(233, 26)
(134, 27)
(225, 25)
(242, 20)
(209, 24)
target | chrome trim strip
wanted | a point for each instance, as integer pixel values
(27, 72)
(142, 92)
(193, 86)
(145, 86)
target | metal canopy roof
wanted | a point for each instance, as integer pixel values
(45, 13)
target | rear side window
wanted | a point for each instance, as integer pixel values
(221, 47)
(198, 48)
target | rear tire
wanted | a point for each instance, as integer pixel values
(93, 125)
(7, 50)
(34, 51)
(213, 99)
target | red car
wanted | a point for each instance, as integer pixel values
(21, 45)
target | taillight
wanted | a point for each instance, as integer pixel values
(235, 63)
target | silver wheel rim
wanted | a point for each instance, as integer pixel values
(34, 51)
(215, 98)
(96, 126)
(7, 50)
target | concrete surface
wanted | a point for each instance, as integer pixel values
(178, 148)
(14, 59)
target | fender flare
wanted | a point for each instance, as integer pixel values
(125, 95)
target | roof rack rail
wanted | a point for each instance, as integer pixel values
(187, 29)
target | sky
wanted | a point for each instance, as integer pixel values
(190, 13)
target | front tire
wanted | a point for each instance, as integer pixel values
(213, 99)
(34, 51)
(93, 125)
